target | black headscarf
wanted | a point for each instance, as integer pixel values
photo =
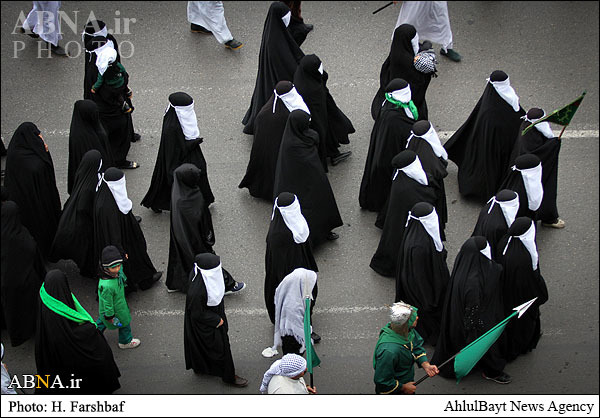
(86, 133)
(400, 64)
(22, 275)
(75, 232)
(173, 151)
(299, 171)
(65, 348)
(31, 184)
(278, 58)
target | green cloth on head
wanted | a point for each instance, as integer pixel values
(79, 315)
(410, 105)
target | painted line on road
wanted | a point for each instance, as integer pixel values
(261, 311)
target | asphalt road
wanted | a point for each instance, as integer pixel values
(549, 50)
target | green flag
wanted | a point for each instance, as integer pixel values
(561, 116)
(312, 360)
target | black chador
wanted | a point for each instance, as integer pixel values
(22, 275)
(525, 178)
(424, 141)
(68, 344)
(288, 246)
(300, 172)
(268, 132)
(115, 224)
(422, 275)
(472, 307)
(496, 217)
(390, 132)
(205, 339)
(191, 228)
(30, 183)
(86, 133)
(540, 141)
(481, 147)
(277, 60)
(410, 185)
(179, 143)
(94, 29)
(522, 281)
(332, 125)
(400, 64)
(75, 232)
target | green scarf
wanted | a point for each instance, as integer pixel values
(121, 277)
(410, 105)
(388, 335)
(79, 315)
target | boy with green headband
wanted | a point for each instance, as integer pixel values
(114, 311)
(398, 348)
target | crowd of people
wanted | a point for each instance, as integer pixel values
(298, 133)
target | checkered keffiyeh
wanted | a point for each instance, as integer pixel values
(290, 365)
(425, 62)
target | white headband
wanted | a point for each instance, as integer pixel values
(505, 91)
(188, 121)
(532, 178)
(433, 139)
(292, 101)
(431, 223)
(509, 208)
(528, 240)
(415, 171)
(215, 285)
(543, 127)
(294, 220)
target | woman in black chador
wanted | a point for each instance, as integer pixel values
(400, 64)
(31, 184)
(299, 171)
(68, 344)
(22, 275)
(481, 147)
(521, 281)
(76, 227)
(268, 133)
(525, 178)
(277, 60)
(422, 275)
(93, 32)
(205, 339)
(496, 217)
(179, 143)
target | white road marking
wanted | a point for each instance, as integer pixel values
(261, 311)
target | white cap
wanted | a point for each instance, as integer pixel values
(400, 312)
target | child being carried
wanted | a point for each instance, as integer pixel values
(112, 81)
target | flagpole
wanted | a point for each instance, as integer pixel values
(563, 129)
(439, 367)
(383, 7)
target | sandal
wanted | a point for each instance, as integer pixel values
(130, 165)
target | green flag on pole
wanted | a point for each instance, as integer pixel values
(312, 360)
(561, 116)
(468, 357)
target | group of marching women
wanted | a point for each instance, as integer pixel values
(298, 131)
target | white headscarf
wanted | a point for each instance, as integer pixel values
(415, 171)
(528, 240)
(506, 92)
(415, 43)
(433, 139)
(215, 285)
(321, 68)
(118, 189)
(431, 223)
(290, 365)
(289, 305)
(105, 55)
(509, 208)
(292, 101)
(403, 95)
(102, 32)
(294, 220)
(543, 127)
(532, 178)
(187, 119)
(487, 251)
(286, 19)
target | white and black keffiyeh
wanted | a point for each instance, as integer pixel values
(290, 365)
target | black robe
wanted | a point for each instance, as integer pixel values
(514, 181)
(388, 138)
(73, 240)
(268, 133)
(206, 347)
(112, 227)
(404, 194)
(173, 151)
(299, 171)
(547, 150)
(64, 347)
(277, 61)
(90, 71)
(436, 167)
(492, 226)
(481, 147)
(520, 284)
(86, 133)
(422, 278)
(283, 256)
(22, 274)
(472, 307)
(400, 64)
(30, 183)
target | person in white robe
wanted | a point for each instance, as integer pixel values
(43, 21)
(209, 17)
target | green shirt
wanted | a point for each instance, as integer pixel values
(113, 82)
(111, 295)
(393, 360)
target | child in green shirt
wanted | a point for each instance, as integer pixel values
(112, 81)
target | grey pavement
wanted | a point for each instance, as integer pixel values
(549, 50)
